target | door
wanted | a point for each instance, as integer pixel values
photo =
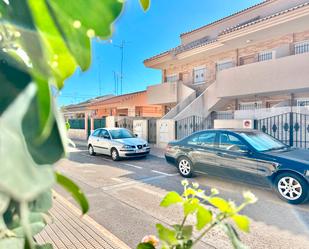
(102, 142)
(234, 159)
(203, 151)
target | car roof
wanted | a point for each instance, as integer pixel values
(111, 128)
(235, 130)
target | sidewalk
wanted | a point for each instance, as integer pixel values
(71, 230)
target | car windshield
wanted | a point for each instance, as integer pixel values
(121, 134)
(262, 142)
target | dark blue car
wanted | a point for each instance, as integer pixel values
(248, 155)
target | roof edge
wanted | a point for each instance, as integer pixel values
(265, 2)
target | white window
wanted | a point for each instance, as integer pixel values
(221, 65)
(199, 75)
(172, 78)
(303, 102)
(301, 47)
(250, 105)
(266, 55)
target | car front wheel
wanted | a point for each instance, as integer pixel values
(91, 150)
(185, 167)
(115, 155)
(292, 188)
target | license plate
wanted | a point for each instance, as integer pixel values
(139, 151)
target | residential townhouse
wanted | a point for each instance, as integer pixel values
(254, 59)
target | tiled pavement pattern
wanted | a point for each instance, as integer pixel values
(70, 230)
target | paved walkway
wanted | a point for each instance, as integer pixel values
(70, 230)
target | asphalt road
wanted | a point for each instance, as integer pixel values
(124, 198)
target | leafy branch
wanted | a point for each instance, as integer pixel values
(192, 201)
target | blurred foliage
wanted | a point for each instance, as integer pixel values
(42, 43)
(208, 211)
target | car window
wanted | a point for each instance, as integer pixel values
(104, 134)
(96, 133)
(206, 139)
(231, 143)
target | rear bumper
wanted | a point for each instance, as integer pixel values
(170, 160)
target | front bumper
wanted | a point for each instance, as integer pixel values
(134, 153)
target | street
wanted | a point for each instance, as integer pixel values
(124, 198)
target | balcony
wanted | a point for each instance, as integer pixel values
(283, 75)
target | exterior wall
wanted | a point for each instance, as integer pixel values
(77, 134)
(131, 105)
(140, 128)
(165, 132)
(287, 74)
(282, 45)
(162, 93)
(233, 124)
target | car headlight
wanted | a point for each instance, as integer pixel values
(125, 146)
(306, 172)
(145, 145)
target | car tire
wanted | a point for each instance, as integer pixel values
(292, 188)
(115, 154)
(185, 167)
(91, 150)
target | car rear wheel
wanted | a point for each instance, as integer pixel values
(292, 188)
(91, 150)
(185, 167)
(115, 154)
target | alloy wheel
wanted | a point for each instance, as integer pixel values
(91, 151)
(114, 155)
(289, 188)
(184, 167)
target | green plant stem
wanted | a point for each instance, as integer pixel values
(208, 229)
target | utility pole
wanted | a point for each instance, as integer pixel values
(121, 46)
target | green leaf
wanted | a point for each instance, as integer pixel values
(21, 178)
(166, 235)
(221, 204)
(189, 191)
(12, 243)
(4, 203)
(242, 222)
(43, 203)
(170, 199)
(233, 236)
(78, 20)
(46, 246)
(203, 217)
(36, 222)
(75, 191)
(187, 231)
(190, 206)
(145, 246)
(145, 4)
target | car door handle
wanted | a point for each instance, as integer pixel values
(224, 155)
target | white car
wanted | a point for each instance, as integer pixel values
(117, 143)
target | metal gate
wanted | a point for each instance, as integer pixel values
(125, 123)
(189, 125)
(99, 123)
(152, 130)
(291, 128)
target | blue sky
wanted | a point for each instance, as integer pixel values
(146, 34)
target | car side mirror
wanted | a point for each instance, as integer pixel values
(106, 137)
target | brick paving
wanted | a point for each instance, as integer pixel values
(70, 230)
